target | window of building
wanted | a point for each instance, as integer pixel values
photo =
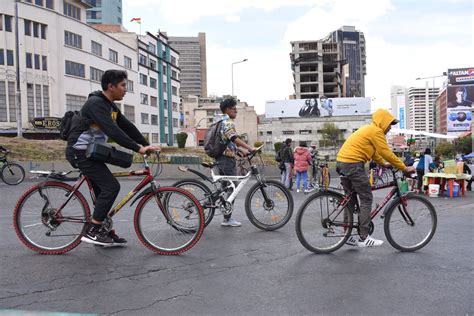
(43, 31)
(127, 62)
(174, 74)
(11, 100)
(175, 106)
(74, 102)
(3, 102)
(143, 79)
(96, 48)
(27, 27)
(152, 48)
(173, 60)
(37, 61)
(129, 85)
(305, 131)
(164, 70)
(75, 69)
(36, 26)
(152, 83)
(44, 62)
(165, 104)
(154, 119)
(144, 98)
(96, 74)
(39, 2)
(153, 101)
(145, 118)
(72, 39)
(30, 101)
(2, 57)
(175, 122)
(39, 108)
(8, 22)
(129, 112)
(96, 3)
(164, 86)
(154, 138)
(142, 59)
(46, 111)
(50, 4)
(174, 90)
(113, 56)
(269, 132)
(29, 60)
(10, 58)
(72, 11)
(288, 132)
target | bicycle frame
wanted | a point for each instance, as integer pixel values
(231, 179)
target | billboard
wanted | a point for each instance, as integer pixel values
(317, 107)
(460, 104)
(401, 110)
(461, 76)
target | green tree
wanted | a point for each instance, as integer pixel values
(181, 137)
(464, 145)
(277, 146)
(445, 149)
(332, 135)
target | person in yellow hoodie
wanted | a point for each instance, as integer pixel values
(365, 144)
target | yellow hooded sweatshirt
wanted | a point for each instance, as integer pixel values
(369, 142)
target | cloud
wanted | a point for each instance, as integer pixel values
(232, 18)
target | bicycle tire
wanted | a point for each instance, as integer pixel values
(278, 219)
(305, 225)
(205, 202)
(29, 197)
(396, 238)
(171, 226)
(12, 169)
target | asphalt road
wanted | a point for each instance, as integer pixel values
(244, 271)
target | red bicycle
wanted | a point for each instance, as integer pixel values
(51, 216)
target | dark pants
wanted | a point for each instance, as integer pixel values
(419, 177)
(356, 179)
(226, 167)
(105, 185)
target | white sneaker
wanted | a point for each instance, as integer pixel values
(306, 191)
(297, 190)
(231, 222)
(369, 242)
(352, 241)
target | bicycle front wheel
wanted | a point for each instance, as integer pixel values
(322, 225)
(45, 228)
(270, 212)
(410, 227)
(170, 221)
(13, 173)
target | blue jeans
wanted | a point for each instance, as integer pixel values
(304, 175)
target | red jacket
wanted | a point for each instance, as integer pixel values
(302, 159)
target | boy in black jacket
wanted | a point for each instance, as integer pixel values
(107, 121)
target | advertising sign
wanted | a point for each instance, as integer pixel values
(459, 108)
(314, 107)
(461, 76)
(401, 110)
(46, 122)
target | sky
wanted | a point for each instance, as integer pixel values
(405, 39)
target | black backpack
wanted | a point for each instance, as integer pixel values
(72, 121)
(213, 144)
(279, 154)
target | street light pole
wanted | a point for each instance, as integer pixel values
(18, 86)
(232, 72)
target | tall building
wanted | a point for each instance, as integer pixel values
(192, 63)
(352, 48)
(420, 114)
(104, 12)
(399, 101)
(334, 66)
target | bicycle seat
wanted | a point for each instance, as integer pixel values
(208, 164)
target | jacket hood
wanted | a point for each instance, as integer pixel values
(300, 150)
(97, 93)
(382, 119)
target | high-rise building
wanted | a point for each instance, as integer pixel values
(420, 115)
(192, 63)
(333, 67)
(104, 12)
(352, 49)
(399, 101)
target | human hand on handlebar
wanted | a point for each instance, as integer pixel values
(148, 149)
(410, 170)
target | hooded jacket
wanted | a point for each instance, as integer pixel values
(369, 142)
(107, 121)
(302, 158)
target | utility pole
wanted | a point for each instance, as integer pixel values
(18, 90)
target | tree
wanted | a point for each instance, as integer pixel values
(181, 138)
(331, 134)
(445, 149)
(464, 145)
(277, 146)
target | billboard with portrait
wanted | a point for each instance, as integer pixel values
(317, 107)
(459, 107)
(461, 76)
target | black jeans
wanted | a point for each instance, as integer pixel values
(105, 185)
(226, 167)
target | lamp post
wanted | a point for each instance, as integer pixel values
(427, 110)
(196, 130)
(232, 72)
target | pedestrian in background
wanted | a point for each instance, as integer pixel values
(303, 159)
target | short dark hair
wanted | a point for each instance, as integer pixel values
(227, 103)
(427, 151)
(288, 141)
(303, 144)
(113, 76)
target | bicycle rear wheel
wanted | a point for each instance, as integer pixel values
(321, 226)
(412, 227)
(169, 222)
(13, 173)
(272, 213)
(39, 225)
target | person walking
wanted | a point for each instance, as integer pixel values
(287, 162)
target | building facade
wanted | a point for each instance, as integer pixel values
(62, 59)
(193, 63)
(104, 12)
(399, 102)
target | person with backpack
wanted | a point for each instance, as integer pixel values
(230, 141)
(423, 167)
(286, 163)
(101, 120)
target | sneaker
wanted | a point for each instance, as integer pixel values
(352, 241)
(97, 236)
(116, 238)
(231, 222)
(306, 191)
(297, 190)
(369, 242)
